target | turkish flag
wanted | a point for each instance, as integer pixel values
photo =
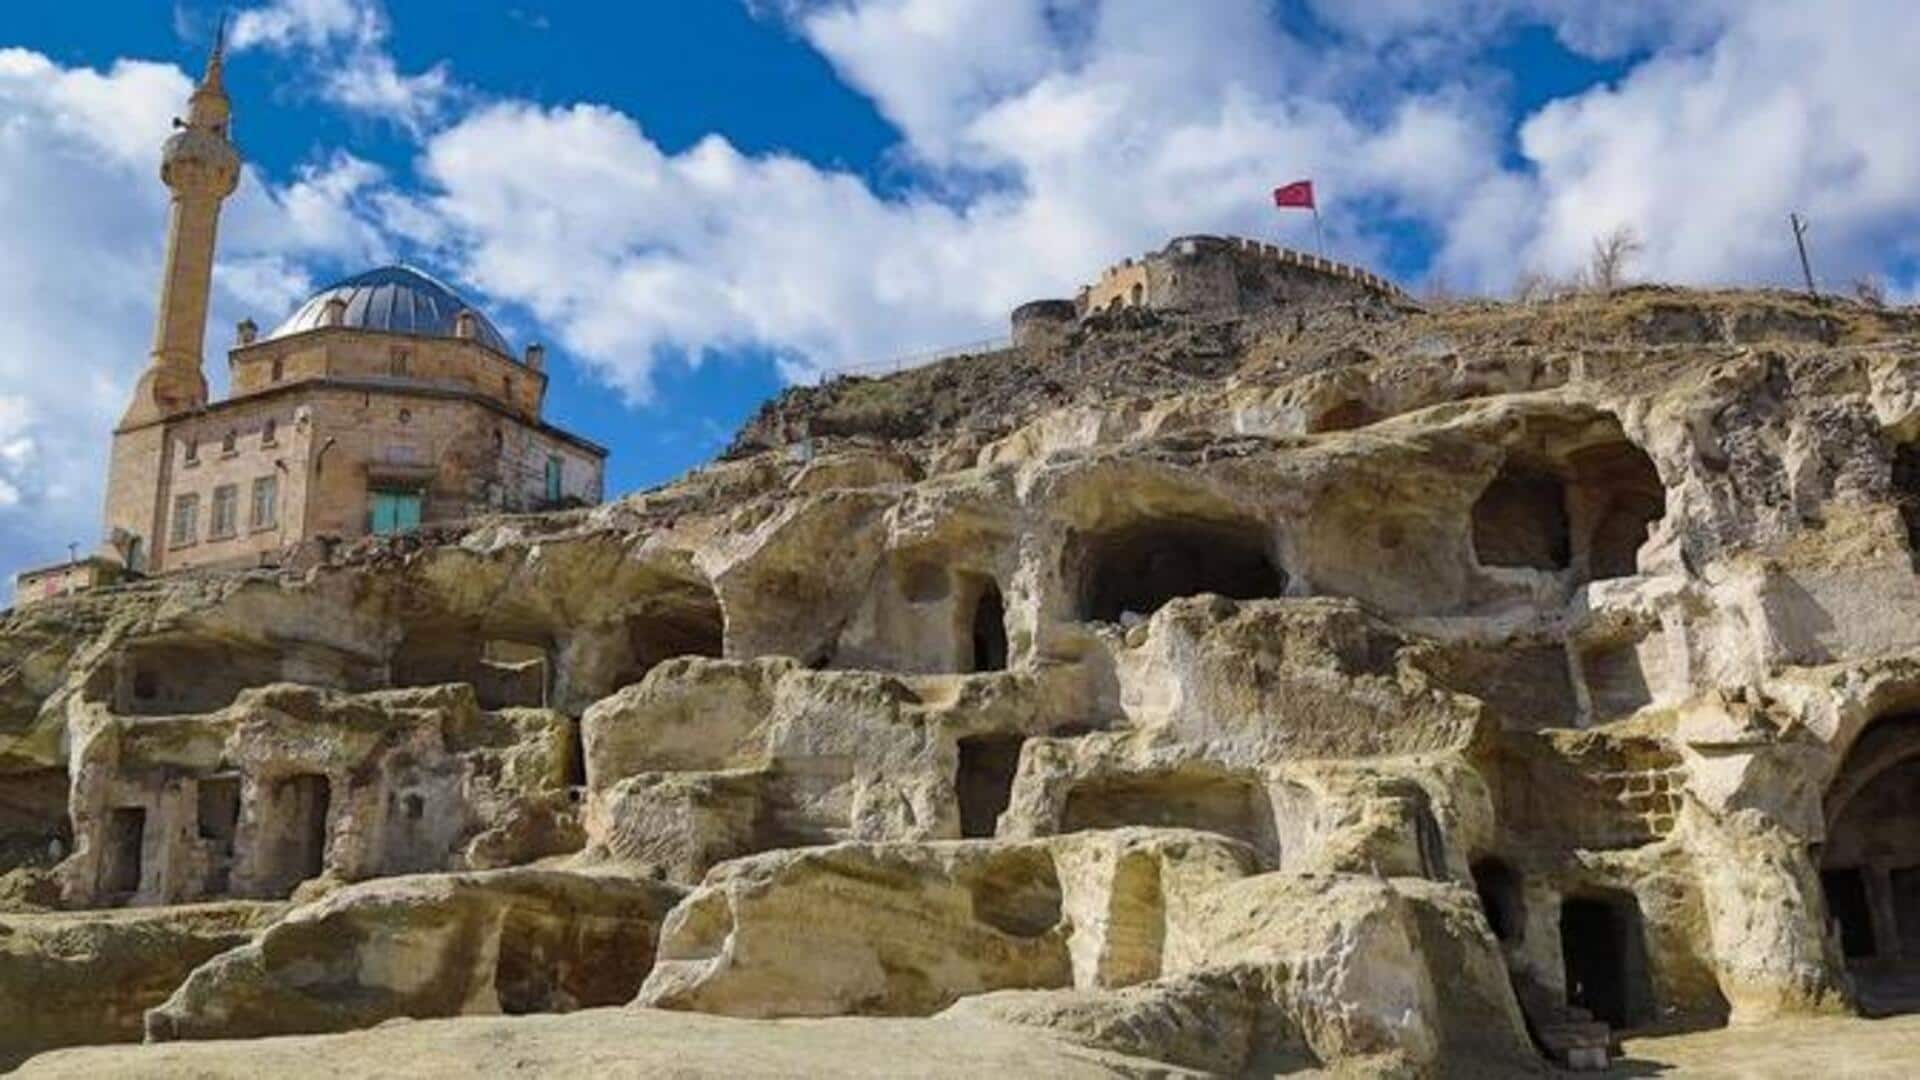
(1297, 194)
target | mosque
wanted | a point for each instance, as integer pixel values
(384, 402)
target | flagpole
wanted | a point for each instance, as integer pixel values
(1319, 236)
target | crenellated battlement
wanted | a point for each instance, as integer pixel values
(1203, 272)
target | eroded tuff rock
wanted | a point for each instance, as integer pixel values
(71, 979)
(1333, 686)
(504, 941)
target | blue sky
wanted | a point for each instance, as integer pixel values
(694, 202)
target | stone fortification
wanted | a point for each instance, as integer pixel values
(1229, 274)
(1338, 685)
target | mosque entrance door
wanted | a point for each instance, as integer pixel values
(395, 512)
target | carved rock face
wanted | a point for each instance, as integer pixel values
(1187, 689)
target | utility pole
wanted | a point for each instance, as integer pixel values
(1800, 241)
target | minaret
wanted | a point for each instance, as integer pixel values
(201, 168)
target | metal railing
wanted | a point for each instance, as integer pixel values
(909, 361)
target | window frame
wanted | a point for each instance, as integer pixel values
(269, 486)
(225, 496)
(183, 527)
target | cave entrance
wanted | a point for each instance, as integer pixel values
(987, 632)
(1870, 863)
(121, 853)
(1520, 520)
(683, 621)
(552, 962)
(1231, 805)
(1139, 567)
(1906, 494)
(509, 667)
(218, 821)
(1603, 946)
(513, 674)
(1618, 496)
(293, 836)
(1850, 910)
(1589, 513)
(984, 783)
(166, 677)
(1502, 897)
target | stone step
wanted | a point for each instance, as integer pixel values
(1580, 1045)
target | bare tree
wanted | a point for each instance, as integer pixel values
(1534, 287)
(1606, 270)
(1870, 290)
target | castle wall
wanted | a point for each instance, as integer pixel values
(1227, 274)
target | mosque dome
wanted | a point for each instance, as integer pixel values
(394, 300)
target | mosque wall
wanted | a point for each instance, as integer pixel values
(446, 363)
(234, 486)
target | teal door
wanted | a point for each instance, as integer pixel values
(395, 512)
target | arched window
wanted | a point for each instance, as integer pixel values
(397, 364)
(269, 432)
(279, 369)
(229, 442)
(1139, 294)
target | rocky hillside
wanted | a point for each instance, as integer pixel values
(1356, 686)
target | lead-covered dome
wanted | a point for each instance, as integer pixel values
(393, 299)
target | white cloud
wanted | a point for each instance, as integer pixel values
(345, 42)
(1041, 139)
(1793, 107)
(312, 24)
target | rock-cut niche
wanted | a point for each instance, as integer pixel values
(1588, 512)
(1870, 863)
(1137, 567)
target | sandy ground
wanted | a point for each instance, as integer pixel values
(1823, 1049)
(604, 1044)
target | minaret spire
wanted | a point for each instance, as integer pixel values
(200, 166)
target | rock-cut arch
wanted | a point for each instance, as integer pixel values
(1870, 863)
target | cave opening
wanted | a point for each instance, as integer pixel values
(1137, 568)
(122, 853)
(1232, 805)
(1603, 947)
(292, 845)
(987, 631)
(1870, 863)
(682, 621)
(218, 822)
(167, 677)
(1520, 520)
(984, 782)
(1619, 498)
(1590, 512)
(1501, 897)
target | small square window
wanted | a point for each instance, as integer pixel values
(269, 433)
(230, 443)
(193, 452)
(279, 369)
